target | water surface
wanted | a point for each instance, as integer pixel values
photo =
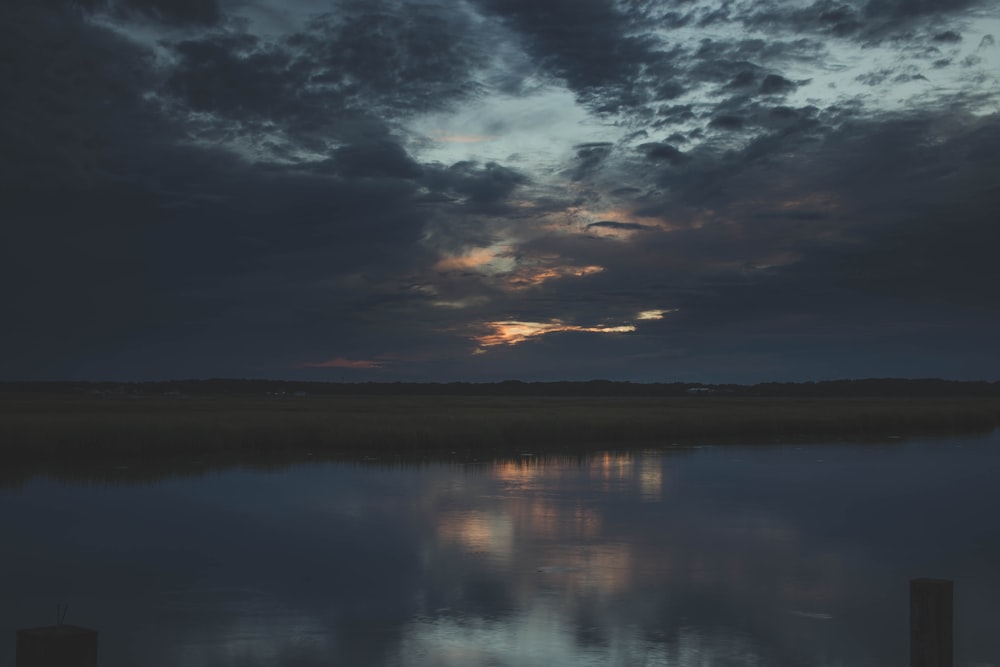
(712, 556)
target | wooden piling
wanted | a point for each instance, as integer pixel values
(56, 646)
(931, 624)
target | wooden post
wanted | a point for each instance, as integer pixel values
(931, 623)
(56, 646)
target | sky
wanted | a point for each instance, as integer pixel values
(478, 190)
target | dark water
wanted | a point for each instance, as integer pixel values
(716, 556)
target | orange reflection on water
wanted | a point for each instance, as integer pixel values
(612, 468)
(478, 532)
(520, 475)
(651, 480)
(603, 569)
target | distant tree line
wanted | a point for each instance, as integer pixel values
(245, 387)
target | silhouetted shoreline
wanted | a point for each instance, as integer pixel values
(43, 431)
(868, 387)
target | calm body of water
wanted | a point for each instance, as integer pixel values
(714, 556)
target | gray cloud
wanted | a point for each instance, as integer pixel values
(775, 84)
(866, 21)
(948, 37)
(217, 200)
(173, 12)
(663, 151)
(416, 58)
(379, 159)
(480, 184)
(589, 158)
(203, 12)
(900, 9)
(137, 240)
(861, 243)
(591, 45)
(611, 224)
(813, 264)
(727, 122)
(367, 59)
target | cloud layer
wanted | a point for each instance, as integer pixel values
(486, 189)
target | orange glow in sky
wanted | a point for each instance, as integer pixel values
(495, 259)
(514, 272)
(653, 314)
(478, 531)
(473, 259)
(514, 332)
(533, 277)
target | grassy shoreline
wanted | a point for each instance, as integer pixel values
(61, 430)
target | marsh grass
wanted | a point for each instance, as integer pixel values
(99, 429)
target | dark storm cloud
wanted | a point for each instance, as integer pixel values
(856, 19)
(198, 12)
(279, 266)
(942, 247)
(719, 63)
(73, 285)
(871, 303)
(744, 79)
(593, 47)
(589, 158)
(229, 74)
(711, 170)
(71, 279)
(611, 224)
(256, 256)
(727, 122)
(873, 161)
(895, 217)
(416, 58)
(125, 240)
(775, 84)
(66, 86)
(948, 37)
(838, 19)
(378, 159)
(663, 151)
(479, 184)
(737, 71)
(366, 59)
(924, 260)
(904, 9)
(174, 12)
(675, 114)
(236, 203)
(882, 76)
(827, 232)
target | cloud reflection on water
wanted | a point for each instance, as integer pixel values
(606, 561)
(708, 557)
